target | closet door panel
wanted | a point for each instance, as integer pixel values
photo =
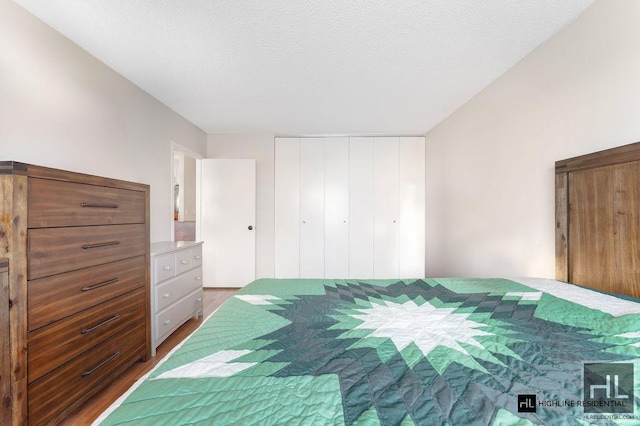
(361, 173)
(411, 225)
(312, 208)
(287, 208)
(336, 207)
(385, 229)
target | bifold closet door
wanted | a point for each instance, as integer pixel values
(385, 207)
(312, 208)
(287, 208)
(411, 208)
(336, 207)
(361, 173)
(349, 207)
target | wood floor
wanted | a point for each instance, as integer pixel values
(103, 399)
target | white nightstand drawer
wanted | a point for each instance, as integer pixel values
(183, 262)
(175, 315)
(164, 267)
(176, 288)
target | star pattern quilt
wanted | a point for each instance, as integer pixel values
(454, 351)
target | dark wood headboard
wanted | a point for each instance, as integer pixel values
(598, 220)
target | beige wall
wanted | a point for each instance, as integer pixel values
(260, 148)
(61, 107)
(490, 165)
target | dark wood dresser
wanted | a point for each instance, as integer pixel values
(76, 297)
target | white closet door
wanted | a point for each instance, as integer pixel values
(312, 208)
(385, 206)
(336, 207)
(411, 222)
(287, 208)
(361, 173)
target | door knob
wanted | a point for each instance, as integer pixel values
(250, 228)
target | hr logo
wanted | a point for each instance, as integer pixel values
(608, 387)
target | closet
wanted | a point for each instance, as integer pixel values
(349, 207)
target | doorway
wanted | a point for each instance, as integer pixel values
(185, 200)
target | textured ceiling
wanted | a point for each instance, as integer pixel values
(303, 67)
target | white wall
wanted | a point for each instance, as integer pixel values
(261, 148)
(62, 108)
(490, 165)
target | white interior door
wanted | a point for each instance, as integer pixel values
(336, 207)
(228, 203)
(361, 207)
(385, 206)
(287, 208)
(311, 208)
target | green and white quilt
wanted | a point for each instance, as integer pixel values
(411, 352)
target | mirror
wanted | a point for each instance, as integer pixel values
(184, 194)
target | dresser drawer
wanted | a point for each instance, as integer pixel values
(58, 296)
(183, 261)
(178, 287)
(196, 256)
(65, 388)
(57, 250)
(164, 267)
(168, 320)
(52, 346)
(55, 203)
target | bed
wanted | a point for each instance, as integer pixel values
(499, 351)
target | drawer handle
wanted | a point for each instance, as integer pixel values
(105, 322)
(167, 295)
(167, 268)
(92, 287)
(199, 299)
(196, 257)
(184, 262)
(97, 245)
(85, 373)
(167, 322)
(99, 206)
(198, 278)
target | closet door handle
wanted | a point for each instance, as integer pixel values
(92, 287)
(85, 373)
(99, 206)
(97, 326)
(97, 245)
(250, 228)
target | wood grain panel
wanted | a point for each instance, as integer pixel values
(13, 242)
(56, 250)
(607, 157)
(603, 228)
(562, 227)
(78, 380)
(52, 346)
(58, 296)
(5, 346)
(16, 168)
(57, 203)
